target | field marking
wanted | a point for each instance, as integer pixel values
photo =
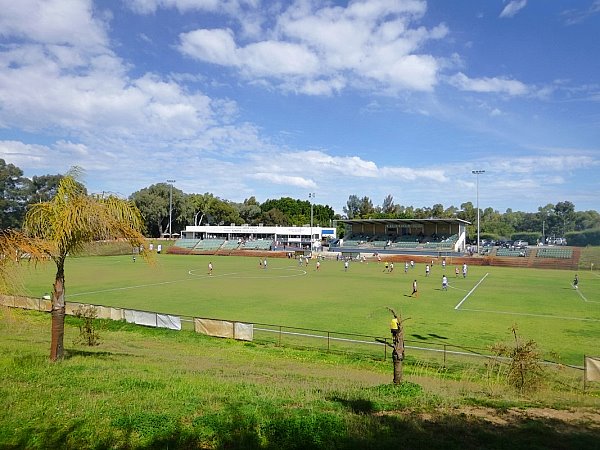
(190, 272)
(584, 298)
(124, 288)
(471, 291)
(458, 289)
(265, 276)
(544, 316)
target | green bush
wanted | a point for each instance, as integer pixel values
(584, 238)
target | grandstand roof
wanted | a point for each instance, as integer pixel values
(405, 221)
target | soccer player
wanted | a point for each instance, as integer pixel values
(318, 265)
(406, 267)
(346, 266)
(576, 282)
(391, 267)
(210, 268)
(414, 289)
(427, 269)
(444, 283)
(387, 265)
(465, 270)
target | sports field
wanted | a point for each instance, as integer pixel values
(475, 311)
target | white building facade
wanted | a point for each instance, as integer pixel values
(281, 236)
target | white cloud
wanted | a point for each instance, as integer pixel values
(576, 16)
(151, 6)
(488, 85)
(513, 7)
(53, 22)
(213, 46)
(287, 180)
(368, 44)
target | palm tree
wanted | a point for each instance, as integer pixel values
(14, 247)
(67, 222)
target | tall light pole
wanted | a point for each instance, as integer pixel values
(311, 195)
(170, 206)
(477, 173)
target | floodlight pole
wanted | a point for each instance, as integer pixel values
(311, 195)
(477, 173)
(170, 206)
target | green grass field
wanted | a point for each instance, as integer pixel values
(563, 321)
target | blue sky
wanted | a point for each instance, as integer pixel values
(264, 98)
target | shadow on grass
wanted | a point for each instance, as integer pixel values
(437, 336)
(241, 428)
(72, 353)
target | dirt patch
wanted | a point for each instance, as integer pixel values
(579, 417)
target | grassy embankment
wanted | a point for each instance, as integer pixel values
(147, 388)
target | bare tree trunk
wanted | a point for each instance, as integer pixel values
(397, 367)
(58, 314)
(398, 347)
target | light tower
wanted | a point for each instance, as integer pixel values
(311, 197)
(477, 173)
(170, 205)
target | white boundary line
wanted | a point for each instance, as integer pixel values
(191, 272)
(544, 316)
(471, 291)
(584, 298)
(458, 289)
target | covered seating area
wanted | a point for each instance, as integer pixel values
(404, 234)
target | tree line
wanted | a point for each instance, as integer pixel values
(154, 202)
(550, 220)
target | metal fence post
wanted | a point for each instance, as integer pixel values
(385, 350)
(328, 341)
(444, 355)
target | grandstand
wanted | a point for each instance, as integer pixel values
(555, 252)
(399, 235)
(395, 239)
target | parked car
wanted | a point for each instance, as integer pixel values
(520, 243)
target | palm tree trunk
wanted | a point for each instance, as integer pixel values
(58, 314)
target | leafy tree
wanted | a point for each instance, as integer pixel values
(437, 210)
(44, 187)
(67, 222)
(224, 212)
(565, 211)
(153, 203)
(201, 206)
(275, 217)
(13, 195)
(388, 207)
(352, 208)
(365, 207)
(250, 211)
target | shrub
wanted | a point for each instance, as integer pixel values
(524, 370)
(88, 335)
(584, 238)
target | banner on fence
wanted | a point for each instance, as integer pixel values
(7, 300)
(140, 318)
(151, 319)
(224, 328)
(167, 321)
(592, 368)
